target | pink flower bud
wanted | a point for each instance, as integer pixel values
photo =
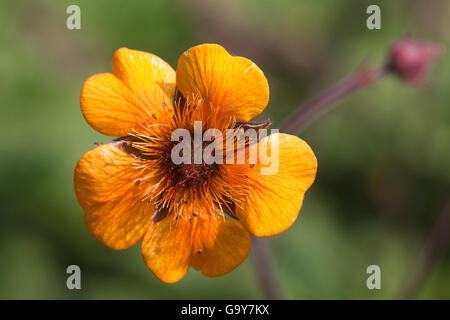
(411, 59)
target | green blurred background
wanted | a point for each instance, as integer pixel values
(384, 169)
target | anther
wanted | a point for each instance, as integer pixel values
(159, 214)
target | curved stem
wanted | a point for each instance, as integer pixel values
(299, 120)
(437, 241)
(324, 100)
(264, 269)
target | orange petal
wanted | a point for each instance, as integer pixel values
(166, 249)
(213, 245)
(109, 106)
(107, 188)
(149, 77)
(229, 249)
(275, 200)
(140, 86)
(235, 84)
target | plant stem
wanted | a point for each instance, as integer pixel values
(437, 241)
(324, 100)
(265, 270)
(410, 60)
(300, 119)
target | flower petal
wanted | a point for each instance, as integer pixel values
(107, 187)
(149, 77)
(109, 106)
(214, 246)
(275, 200)
(235, 84)
(230, 248)
(166, 249)
(139, 88)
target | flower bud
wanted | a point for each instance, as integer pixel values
(411, 60)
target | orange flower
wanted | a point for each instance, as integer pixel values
(197, 215)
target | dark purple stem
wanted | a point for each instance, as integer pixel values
(437, 241)
(323, 102)
(265, 270)
(299, 120)
(410, 60)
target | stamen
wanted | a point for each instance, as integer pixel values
(185, 190)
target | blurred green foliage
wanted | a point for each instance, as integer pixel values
(384, 168)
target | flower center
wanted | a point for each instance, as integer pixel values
(193, 174)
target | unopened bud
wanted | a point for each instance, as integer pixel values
(412, 60)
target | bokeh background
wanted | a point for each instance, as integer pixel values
(384, 169)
